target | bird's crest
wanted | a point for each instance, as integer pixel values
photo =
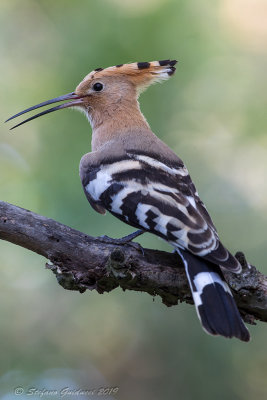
(141, 74)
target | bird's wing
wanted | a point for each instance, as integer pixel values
(160, 198)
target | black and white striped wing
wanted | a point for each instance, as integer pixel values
(162, 199)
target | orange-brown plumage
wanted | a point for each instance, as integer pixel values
(115, 109)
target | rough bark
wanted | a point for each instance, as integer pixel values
(83, 262)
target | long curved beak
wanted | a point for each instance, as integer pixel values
(70, 96)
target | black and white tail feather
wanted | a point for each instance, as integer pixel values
(213, 299)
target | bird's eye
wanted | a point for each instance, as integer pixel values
(98, 87)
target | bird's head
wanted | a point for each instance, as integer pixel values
(104, 90)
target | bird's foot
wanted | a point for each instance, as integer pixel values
(124, 240)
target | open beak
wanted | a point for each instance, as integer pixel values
(70, 96)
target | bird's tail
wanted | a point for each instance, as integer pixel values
(215, 305)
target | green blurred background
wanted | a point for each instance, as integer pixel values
(212, 113)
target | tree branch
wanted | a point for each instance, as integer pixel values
(83, 262)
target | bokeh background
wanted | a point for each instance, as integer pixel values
(212, 113)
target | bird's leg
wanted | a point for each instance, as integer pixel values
(123, 240)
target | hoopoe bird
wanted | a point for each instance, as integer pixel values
(136, 177)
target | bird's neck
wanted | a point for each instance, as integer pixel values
(115, 122)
